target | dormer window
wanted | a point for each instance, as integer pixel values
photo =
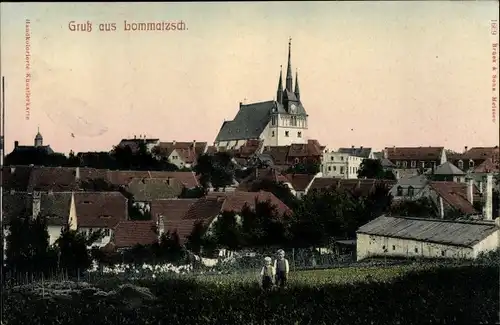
(411, 191)
(413, 164)
(471, 163)
(461, 164)
(400, 191)
(405, 164)
(86, 202)
(398, 163)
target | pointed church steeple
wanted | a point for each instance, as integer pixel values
(279, 93)
(297, 90)
(289, 81)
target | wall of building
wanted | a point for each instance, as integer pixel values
(340, 165)
(281, 132)
(490, 243)
(103, 241)
(369, 245)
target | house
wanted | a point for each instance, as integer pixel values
(278, 156)
(409, 160)
(135, 143)
(56, 179)
(99, 211)
(123, 177)
(409, 188)
(259, 175)
(361, 187)
(474, 156)
(278, 122)
(147, 190)
(365, 153)
(284, 157)
(181, 154)
(16, 178)
(452, 197)
(414, 237)
(299, 183)
(480, 172)
(36, 147)
(448, 172)
(340, 165)
(59, 210)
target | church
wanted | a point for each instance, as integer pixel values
(279, 122)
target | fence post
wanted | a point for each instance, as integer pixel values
(293, 259)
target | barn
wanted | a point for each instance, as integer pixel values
(416, 237)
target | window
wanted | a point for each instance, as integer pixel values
(471, 163)
(299, 134)
(107, 232)
(341, 170)
(398, 163)
(297, 160)
(174, 157)
(422, 164)
(442, 253)
(383, 247)
(293, 121)
(416, 249)
(413, 164)
(393, 247)
(273, 120)
(411, 191)
(287, 134)
(329, 168)
(272, 134)
(331, 158)
(342, 158)
(334, 168)
(400, 191)
(404, 164)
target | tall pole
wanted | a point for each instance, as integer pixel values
(2, 154)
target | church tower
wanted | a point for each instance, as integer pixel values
(38, 139)
(288, 118)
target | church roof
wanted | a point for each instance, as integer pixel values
(249, 122)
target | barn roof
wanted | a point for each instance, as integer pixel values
(454, 233)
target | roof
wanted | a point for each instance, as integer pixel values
(237, 200)
(171, 209)
(455, 194)
(479, 153)
(124, 177)
(456, 233)
(278, 154)
(448, 169)
(249, 122)
(386, 163)
(100, 209)
(309, 149)
(57, 179)
(46, 149)
(16, 177)
(414, 153)
(356, 186)
(259, 175)
(16, 205)
(188, 151)
(487, 166)
(357, 152)
(413, 180)
(55, 206)
(130, 233)
(149, 189)
(299, 182)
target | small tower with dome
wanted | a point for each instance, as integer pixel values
(38, 139)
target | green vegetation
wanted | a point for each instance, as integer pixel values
(396, 295)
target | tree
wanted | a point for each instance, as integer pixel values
(192, 193)
(168, 248)
(28, 248)
(227, 231)
(216, 170)
(372, 169)
(195, 239)
(423, 207)
(74, 252)
(310, 166)
(37, 156)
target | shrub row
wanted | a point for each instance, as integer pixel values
(447, 295)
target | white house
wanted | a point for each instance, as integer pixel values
(414, 237)
(279, 122)
(340, 165)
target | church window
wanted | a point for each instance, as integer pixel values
(287, 134)
(273, 121)
(272, 134)
(293, 121)
(299, 134)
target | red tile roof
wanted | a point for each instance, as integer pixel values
(123, 178)
(479, 153)
(171, 209)
(57, 179)
(100, 209)
(414, 153)
(261, 174)
(236, 201)
(356, 186)
(299, 181)
(309, 149)
(16, 177)
(279, 154)
(487, 166)
(455, 195)
(130, 233)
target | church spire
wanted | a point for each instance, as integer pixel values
(297, 91)
(289, 80)
(279, 93)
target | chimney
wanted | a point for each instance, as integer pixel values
(16, 144)
(135, 137)
(36, 203)
(241, 104)
(488, 206)
(441, 208)
(361, 147)
(77, 173)
(352, 147)
(194, 143)
(470, 191)
(173, 142)
(465, 149)
(481, 187)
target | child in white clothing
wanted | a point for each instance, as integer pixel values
(267, 274)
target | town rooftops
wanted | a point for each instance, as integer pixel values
(448, 169)
(130, 233)
(357, 152)
(454, 233)
(413, 153)
(455, 194)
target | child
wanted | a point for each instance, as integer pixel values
(268, 272)
(282, 268)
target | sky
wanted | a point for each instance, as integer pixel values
(372, 74)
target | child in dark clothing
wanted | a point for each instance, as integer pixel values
(282, 268)
(267, 274)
